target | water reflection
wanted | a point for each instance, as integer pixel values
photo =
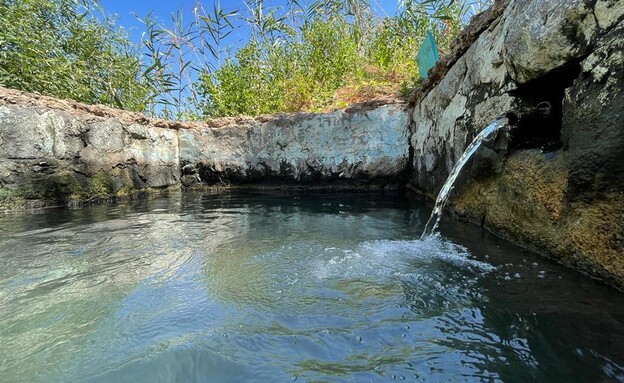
(264, 287)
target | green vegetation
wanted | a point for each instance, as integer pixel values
(102, 185)
(304, 56)
(10, 199)
(60, 48)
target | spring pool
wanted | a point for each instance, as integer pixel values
(258, 287)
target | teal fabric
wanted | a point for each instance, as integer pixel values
(427, 55)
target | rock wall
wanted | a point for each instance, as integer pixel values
(360, 146)
(53, 157)
(55, 152)
(558, 186)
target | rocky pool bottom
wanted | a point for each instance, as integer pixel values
(255, 287)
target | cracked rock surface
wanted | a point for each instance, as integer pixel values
(55, 152)
(563, 198)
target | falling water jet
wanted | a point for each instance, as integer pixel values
(436, 214)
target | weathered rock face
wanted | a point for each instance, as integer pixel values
(593, 121)
(473, 92)
(542, 35)
(527, 203)
(527, 55)
(559, 189)
(54, 153)
(53, 157)
(358, 146)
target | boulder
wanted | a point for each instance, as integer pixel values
(542, 35)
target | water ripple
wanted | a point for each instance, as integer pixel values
(273, 288)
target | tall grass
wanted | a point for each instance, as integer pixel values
(326, 54)
(306, 55)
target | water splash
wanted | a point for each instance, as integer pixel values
(383, 259)
(445, 192)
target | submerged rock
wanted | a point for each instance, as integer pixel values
(528, 204)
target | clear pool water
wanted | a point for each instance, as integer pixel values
(278, 288)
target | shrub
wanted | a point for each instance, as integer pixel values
(306, 56)
(325, 55)
(60, 48)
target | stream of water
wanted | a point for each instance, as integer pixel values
(444, 194)
(283, 287)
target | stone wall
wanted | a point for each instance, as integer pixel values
(359, 146)
(558, 187)
(55, 152)
(53, 157)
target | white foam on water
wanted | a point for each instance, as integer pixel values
(390, 257)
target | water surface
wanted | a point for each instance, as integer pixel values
(278, 287)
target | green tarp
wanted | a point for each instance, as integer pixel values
(427, 55)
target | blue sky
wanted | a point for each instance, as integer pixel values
(125, 10)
